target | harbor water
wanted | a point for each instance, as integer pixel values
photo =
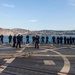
(5, 39)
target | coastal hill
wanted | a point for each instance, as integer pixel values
(41, 32)
(14, 31)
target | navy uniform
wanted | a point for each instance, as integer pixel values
(2, 38)
(36, 41)
(42, 38)
(21, 39)
(65, 39)
(10, 38)
(47, 39)
(61, 39)
(70, 40)
(53, 39)
(33, 39)
(18, 41)
(14, 40)
(27, 39)
(58, 40)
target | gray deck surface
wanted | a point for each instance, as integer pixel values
(47, 60)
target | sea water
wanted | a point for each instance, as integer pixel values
(5, 39)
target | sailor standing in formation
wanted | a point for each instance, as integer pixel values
(37, 41)
(14, 41)
(19, 41)
(27, 39)
(10, 38)
(1, 38)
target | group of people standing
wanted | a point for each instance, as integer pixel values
(63, 40)
(41, 39)
(36, 40)
(18, 40)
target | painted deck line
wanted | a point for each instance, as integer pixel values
(20, 53)
(47, 55)
(49, 62)
(5, 48)
(3, 67)
(65, 69)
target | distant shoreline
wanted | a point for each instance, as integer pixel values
(41, 32)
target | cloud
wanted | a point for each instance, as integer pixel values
(71, 2)
(8, 5)
(33, 21)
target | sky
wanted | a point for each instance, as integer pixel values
(37, 14)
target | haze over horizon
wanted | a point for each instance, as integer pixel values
(37, 14)
(34, 30)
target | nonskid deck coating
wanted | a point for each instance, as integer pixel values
(39, 62)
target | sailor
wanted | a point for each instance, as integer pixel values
(33, 39)
(53, 39)
(73, 40)
(65, 39)
(58, 40)
(61, 39)
(10, 38)
(47, 39)
(70, 40)
(42, 39)
(18, 41)
(14, 40)
(37, 41)
(21, 38)
(2, 38)
(27, 39)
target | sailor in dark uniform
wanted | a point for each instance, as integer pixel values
(27, 39)
(10, 38)
(47, 39)
(2, 38)
(70, 40)
(65, 39)
(73, 40)
(58, 40)
(18, 41)
(42, 39)
(53, 39)
(33, 39)
(14, 40)
(21, 39)
(61, 39)
(37, 41)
